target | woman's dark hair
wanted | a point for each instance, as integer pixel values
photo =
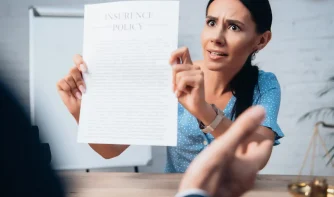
(246, 80)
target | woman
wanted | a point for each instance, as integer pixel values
(235, 30)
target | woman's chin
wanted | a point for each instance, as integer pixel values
(214, 66)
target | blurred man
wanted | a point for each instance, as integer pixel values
(24, 171)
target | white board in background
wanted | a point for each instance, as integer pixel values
(56, 35)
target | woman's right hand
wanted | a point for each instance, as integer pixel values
(72, 86)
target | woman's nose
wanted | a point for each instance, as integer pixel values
(218, 38)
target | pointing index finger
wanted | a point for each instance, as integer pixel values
(180, 54)
(245, 125)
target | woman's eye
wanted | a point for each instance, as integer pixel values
(234, 28)
(211, 23)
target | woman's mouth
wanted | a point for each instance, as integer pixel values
(215, 55)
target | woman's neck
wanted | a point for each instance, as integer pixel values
(216, 84)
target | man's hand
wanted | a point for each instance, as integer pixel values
(226, 168)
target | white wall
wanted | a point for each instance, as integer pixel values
(301, 54)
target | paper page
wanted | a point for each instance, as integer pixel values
(129, 98)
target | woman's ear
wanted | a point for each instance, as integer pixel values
(263, 40)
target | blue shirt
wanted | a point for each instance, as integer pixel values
(191, 140)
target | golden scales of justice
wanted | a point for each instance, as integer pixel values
(318, 187)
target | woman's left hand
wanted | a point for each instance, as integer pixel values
(188, 83)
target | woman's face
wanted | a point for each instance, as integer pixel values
(229, 36)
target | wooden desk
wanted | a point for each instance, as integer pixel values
(98, 184)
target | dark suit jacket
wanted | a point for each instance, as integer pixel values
(24, 171)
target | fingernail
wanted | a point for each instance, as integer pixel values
(83, 68)
(78, 95)
(178, 93)
(173, 63)
(82, 89)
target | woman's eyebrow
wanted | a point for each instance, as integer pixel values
(227, 20)
(212, 17)
(235, 22)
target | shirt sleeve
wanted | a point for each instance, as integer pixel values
(270, 99)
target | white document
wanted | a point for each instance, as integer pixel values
(129, 98)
